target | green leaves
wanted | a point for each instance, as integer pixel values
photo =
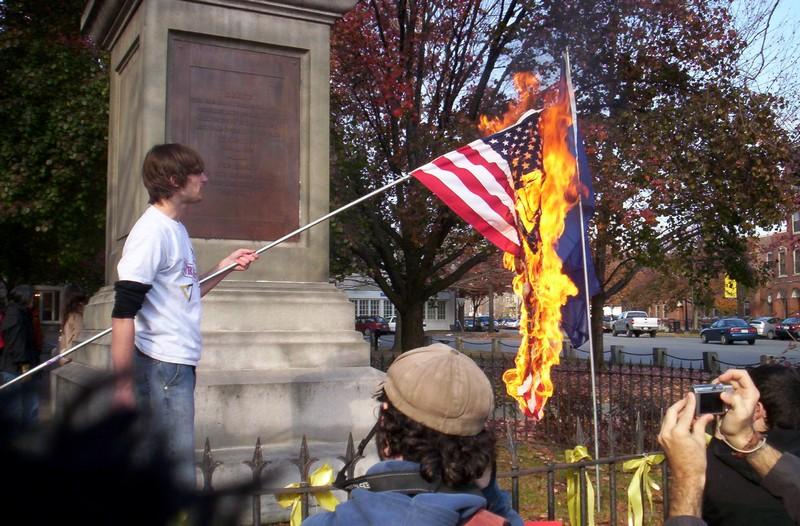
(54, 106)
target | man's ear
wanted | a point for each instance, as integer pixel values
(760, 422)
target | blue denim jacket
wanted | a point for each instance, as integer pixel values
(425, 509)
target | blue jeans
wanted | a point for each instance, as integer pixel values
(21, 403)
(166, 391)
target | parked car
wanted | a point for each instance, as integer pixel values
(608, 322)
(472, 325)
(369, 325)
(729, 330)
(484, 321)
(509, 323)
(634, 323)
(392, 323)
(765, 326)
(788, 329)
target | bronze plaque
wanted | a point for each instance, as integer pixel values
(239, 107)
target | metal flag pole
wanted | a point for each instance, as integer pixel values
(574, 112)
(223, 270)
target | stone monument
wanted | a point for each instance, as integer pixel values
(246, 83)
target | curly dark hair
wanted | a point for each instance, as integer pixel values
(779, 387)
(454, 460)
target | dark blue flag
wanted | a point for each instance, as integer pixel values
(573, 315)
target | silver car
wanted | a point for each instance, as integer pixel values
(765, 326)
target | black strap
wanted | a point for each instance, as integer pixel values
(406, 482)
(341, 477)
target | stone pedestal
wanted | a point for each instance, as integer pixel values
(245, 82)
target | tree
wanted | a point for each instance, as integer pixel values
(483, 282)
(54, 109)
(408, 80)
(687, 161)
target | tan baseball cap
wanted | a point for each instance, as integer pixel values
(440, 388)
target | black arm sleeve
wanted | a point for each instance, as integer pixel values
(128, 299)
(783, 481)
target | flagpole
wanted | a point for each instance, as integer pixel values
(223, 270)
(574, 112)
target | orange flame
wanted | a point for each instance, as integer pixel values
(540, 282)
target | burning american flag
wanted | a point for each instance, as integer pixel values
(518, 187)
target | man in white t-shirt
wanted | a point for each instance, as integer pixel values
(156, 317)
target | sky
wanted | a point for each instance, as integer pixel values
(781, 55)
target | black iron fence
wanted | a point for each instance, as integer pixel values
(545, 485)
(631, 400)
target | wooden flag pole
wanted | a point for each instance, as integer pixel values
(303, 228)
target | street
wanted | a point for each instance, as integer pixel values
(685, 350)
(681, 351)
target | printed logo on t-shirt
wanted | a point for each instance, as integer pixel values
(189, 269)
(187, 291)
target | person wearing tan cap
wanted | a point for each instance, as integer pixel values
(437, 455)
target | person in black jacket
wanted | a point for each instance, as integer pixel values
(682, 437)
(733, 493)
(19, 355)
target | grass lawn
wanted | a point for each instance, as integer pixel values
(533, 488)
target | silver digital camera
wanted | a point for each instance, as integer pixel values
(708, 398)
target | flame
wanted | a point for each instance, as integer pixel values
(527, 86)
(545, 198)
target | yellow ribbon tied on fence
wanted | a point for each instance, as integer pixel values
(578, 454)
(323, 476)
(641, 478)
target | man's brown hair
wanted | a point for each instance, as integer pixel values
(166, 167)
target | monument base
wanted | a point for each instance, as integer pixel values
(292, 367)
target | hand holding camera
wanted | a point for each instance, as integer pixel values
(736, 426)
(709, 398)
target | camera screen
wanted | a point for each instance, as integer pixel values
(710, 403)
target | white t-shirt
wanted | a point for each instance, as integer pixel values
(158, 252)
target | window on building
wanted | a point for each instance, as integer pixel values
(796, 258)
(782, 262)
(435, 309)
(363, 307)
(770, 262)
(48, 303)
(373, 307)
(746, 308)
(796, 223)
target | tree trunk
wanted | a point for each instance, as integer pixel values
(397, 346)
(412, 334)
(597, 328)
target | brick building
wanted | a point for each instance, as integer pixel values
(780, 296)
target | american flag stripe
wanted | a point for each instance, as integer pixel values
(472, 208)
(479, 152)
(479, 180)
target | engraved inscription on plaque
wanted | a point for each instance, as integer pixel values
(238, 106)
